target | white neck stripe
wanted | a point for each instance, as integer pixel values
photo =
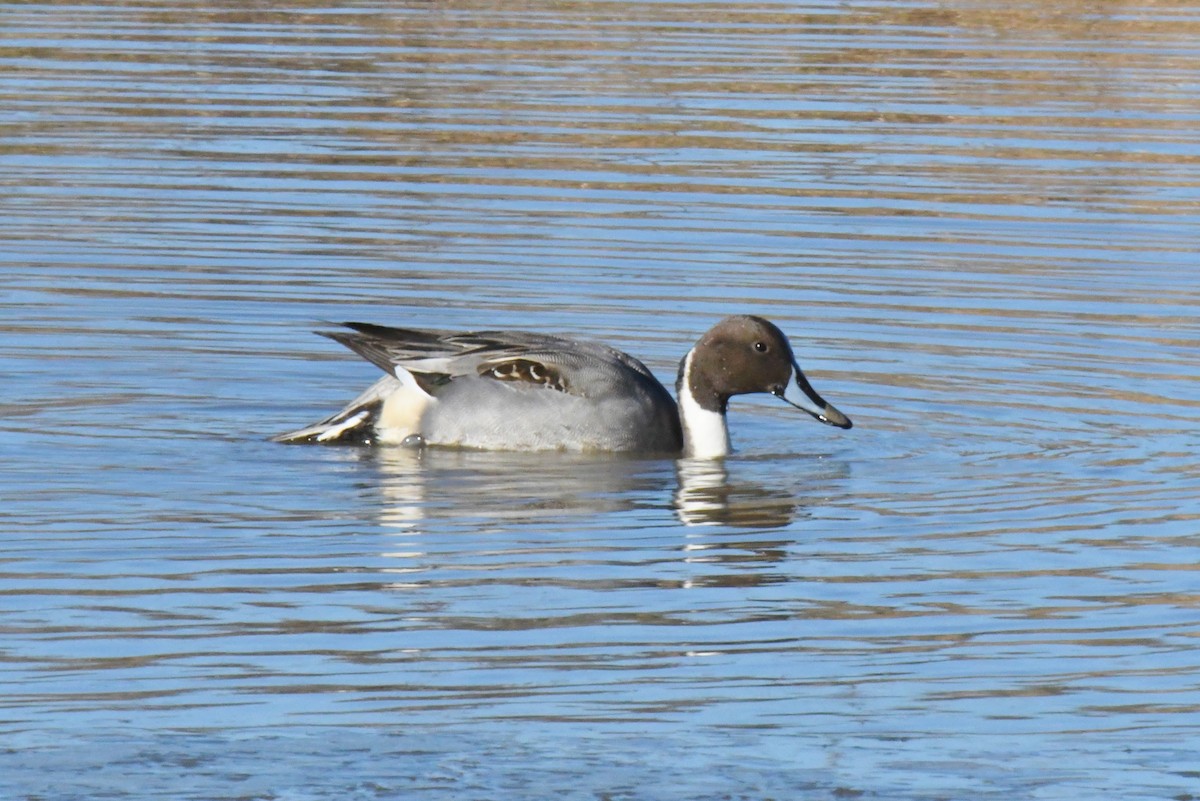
(705, 434)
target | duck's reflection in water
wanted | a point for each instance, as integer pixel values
(610, 522)
(423, 485)
(705, 496)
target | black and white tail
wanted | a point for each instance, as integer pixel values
(353, 425)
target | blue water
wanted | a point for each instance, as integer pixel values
(978, 225)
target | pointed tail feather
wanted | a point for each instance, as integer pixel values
(354, 424)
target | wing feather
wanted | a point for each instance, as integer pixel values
(435, 357)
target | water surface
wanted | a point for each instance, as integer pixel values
(978, 226)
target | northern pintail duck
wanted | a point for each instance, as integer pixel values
(512, 390)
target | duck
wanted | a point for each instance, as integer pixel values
(524, 391)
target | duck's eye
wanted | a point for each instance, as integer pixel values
(761, 347)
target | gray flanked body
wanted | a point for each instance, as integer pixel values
(511, 390)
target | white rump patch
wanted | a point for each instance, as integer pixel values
(403, 410)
